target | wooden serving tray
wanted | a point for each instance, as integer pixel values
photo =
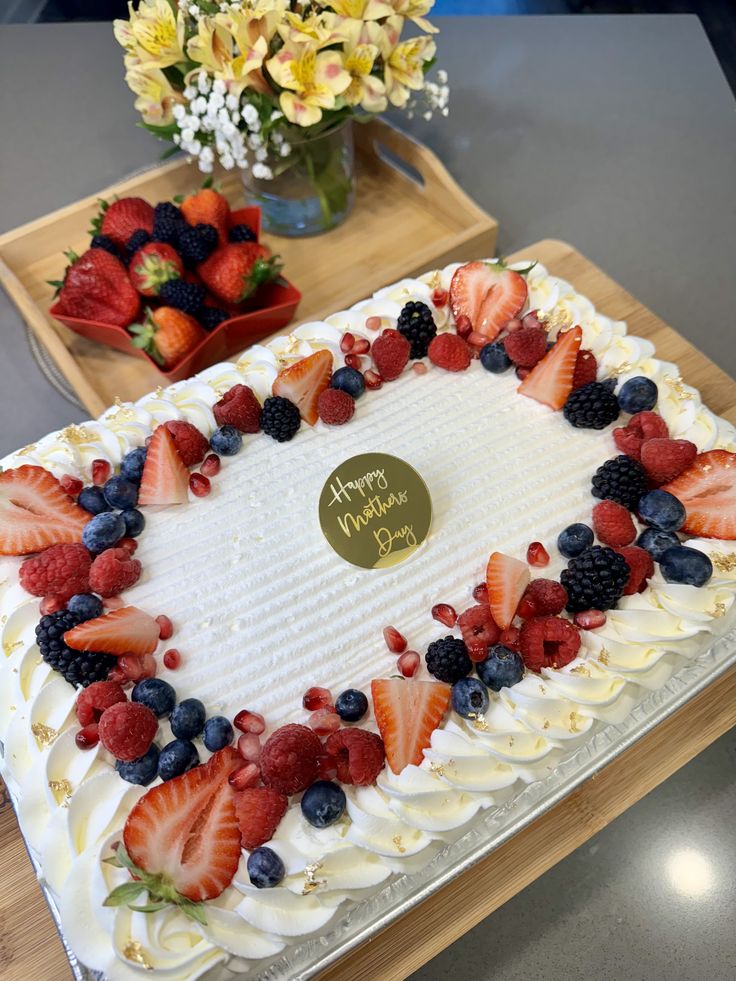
(29, 945)
(409, 215)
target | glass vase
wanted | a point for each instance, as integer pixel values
(312, 189)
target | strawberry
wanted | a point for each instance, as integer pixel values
(665, 459)
(612, 524)
(207, 207)
(123, 217)
(185, 832)
(708, 491)
(586, 369)
(235, 271)
(488, 295)
(303, 382)
(153, 265)
(407, 713)
(550, 380)
(96, 287)
(36, 513)
(167, 335)
(241, 216)
(165, 479)
(641, 427)
(259, 811)
(124, 631)
(506, 579)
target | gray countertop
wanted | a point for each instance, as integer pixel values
(617, 134)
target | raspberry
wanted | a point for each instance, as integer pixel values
(51, 604)
(240, 408)
(526, 346)
(190, 443)
(510, 638)
(391, 354)
(335, 407)
(395, 641)
(127, 730)
(61, 570)
(665, 459)
(641, 427)
(641, 567)
(479, 630)
(444, 613)
(586, 369)
(113, 571)
(548, 642)
(543, 597)
(450, 352)
(95, 698)
(289, 760)
(259, 811)
(612, 524)
(360, 755)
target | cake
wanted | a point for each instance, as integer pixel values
(263, 609)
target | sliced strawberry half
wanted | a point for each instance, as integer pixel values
(124, 631)
(36, 512)
(550, 380)
(506, 580)
(165, 479)
(185, 831)
(488, 295)
(707, 489)
(407, 713)
(303, 383)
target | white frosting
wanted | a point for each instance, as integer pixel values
(245, 574)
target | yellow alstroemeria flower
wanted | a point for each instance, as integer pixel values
(403, 61)
(156, 97)
(413, 10)
(313, 79)
(230, 47)
(361, 50)
(154, 34)
(319, 30)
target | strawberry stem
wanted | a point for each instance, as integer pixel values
(161, 892)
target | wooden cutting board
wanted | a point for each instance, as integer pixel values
(30, 947)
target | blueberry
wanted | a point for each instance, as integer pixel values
(502, 669)
(351, 705)
(218, 733)
(685, 565)
(120, 493)
(93, 500)
(134, 522)
(470, 698)
(348, 380)
(226, 440)
(141, 771)
(493, 357)
(103, 531)
(132, 466)
(656, 542)
(85, 605)
(574, 539)
(662, 510)
(265, 868)
(176, 758)
(638, 395)
(187, 719)
(156, 694)
(323, 803)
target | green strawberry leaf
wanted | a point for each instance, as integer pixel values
(124, 894)
(195, 911)
(149, 907)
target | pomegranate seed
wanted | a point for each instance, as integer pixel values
(373, 323)
(117, 674)
(532, 320)
(249, 747)
(521, 373)
(132, 667)
(149, 666)
(510, 638)
(210, 465)
(463, 325)
(199, 485)
(247, 775)
(590, 619)
(476, 339)
(347, 342)
(324, 721)
(372, 379)
(51, 604)
(480, 593)
(537, 555)
(172, 659)
(362, 346)
(247, 721)
(165, 627)
(445, 614)
(327, 767)
(477, 653)
(526, 608)
(101, 471)
(419, 368)
(71, 484)
(317, 698)
(408, 663)
(395, 641)
(353, 361)
(129, 544)
(513, 325)
(439, 297)
(88, 737)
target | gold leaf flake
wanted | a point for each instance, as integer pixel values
(311, 882)
(603, 655)
(397, 841)
(622, 368)
(435, 281)
(511, 740)
(62, 787)
(123, 413)
(574, 722)
(9, 646)
(26, 450)
(438, 768)
(4, 617)
(718, 611)
(547, 724)
(136, 954)
(158, 392)
(542, 690)
(14, 708)
(723, 562)
(77, 435)
(555, 319)
(581, 670)
(677, 385)
(45, 735)
(479, 721)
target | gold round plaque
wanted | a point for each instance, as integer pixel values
(375, 510)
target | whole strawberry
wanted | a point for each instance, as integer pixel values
(167, 335)
(123, 217)
(236, 270)
(96, 287)
(153, 265)
(208, 207)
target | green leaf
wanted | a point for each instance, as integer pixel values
(124, 894)
(527, 269)
(170, 152)
(195, 911)
(114, 861)
(150, 907)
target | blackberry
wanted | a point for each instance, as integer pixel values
(211, 317)
(168, 222)
(187, 297)
(595, 580)
(106, 243)
(622, 479)
(77, 667)
(280, 418)
(593, 406)
(197, 243)
(137, 240)
(242, 233)
(417, 325)
(448, 660)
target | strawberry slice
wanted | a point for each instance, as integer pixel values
(36, 512)
(165, 479)
(488, 295)
(707, 489)
(506, 580)
(185, 832)
(124, 631)
(550, 380)
(407, 713)
(303, 383)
